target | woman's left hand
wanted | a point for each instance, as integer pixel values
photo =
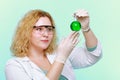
(83, 17)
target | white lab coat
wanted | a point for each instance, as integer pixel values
(24, 69)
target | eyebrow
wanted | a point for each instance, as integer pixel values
(46, 26)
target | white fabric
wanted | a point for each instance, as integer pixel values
(24, 69)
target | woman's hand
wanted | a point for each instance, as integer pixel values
(83, 17)
(66, 46)
(63, 51)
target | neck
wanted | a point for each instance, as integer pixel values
(36, 53)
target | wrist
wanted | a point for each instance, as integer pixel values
(60, 59)
(87, 29)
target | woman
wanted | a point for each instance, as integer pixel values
(37, 57)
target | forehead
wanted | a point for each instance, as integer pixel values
(43, 21)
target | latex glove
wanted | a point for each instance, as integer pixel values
(66, 46)
(83, 17)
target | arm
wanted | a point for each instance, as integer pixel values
(90, 39)
(55, 71)
(16, 69)
(63, 51)
(78, 59)
(21, 70)
(83, 17)
(82, 57)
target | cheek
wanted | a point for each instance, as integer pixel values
(34, 37)
(50, 38)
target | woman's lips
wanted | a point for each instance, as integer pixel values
(45, 41)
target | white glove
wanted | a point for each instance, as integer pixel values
(66, 46)
(83, 17)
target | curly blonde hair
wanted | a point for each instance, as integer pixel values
(20, 44)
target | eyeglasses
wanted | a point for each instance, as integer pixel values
(41, 29)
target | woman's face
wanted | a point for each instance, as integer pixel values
(42, 33)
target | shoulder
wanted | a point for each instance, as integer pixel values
(16, 61)
(11, 61)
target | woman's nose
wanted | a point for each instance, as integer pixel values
(45, 33)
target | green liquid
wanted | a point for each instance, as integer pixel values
(75, 26)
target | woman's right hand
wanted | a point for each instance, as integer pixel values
(66, 46)
(63, 50)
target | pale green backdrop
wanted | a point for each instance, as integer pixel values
(105, 23)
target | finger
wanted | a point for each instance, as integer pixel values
(80, 13)
(75, 40)
(75, 36)
(70, 35)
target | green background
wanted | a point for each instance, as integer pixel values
(105, 23)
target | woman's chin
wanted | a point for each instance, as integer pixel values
(44, 47)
